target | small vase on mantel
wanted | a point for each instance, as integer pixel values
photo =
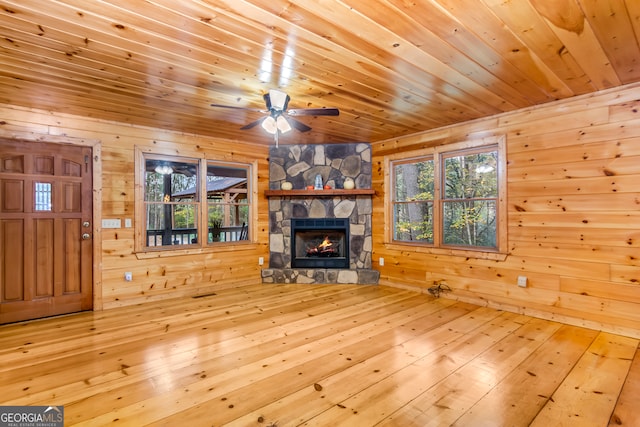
(349, 184)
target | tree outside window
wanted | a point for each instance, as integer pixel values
(414, 196)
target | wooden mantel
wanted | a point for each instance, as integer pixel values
(319, 193)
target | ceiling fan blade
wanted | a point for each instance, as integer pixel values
(239, 108)
(253, 124)
(298, 125)
(314, 112)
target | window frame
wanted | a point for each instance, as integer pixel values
(438, 154)
(202, 245)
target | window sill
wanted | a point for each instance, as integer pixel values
(221, 247)
(493, 256)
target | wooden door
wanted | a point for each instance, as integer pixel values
(45, 230)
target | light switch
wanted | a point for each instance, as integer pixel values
(111, 223)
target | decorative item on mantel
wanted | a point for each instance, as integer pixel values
(286, 186)
(349, 184)
(318, 185)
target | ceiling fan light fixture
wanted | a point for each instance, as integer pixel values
(269, 124)
(164, 169)
(283, 124)
(279, 100)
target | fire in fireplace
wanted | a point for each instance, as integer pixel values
(326, 248)
(319, 243)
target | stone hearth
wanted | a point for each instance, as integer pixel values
(299, 164)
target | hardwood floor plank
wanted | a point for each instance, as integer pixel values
(324, 392)
(373, 404)
(588, 394)
(229, 364)
(519, 396)
(255, 321)
(306, 365)
(444, 403)
(626, 411)
(284, 355)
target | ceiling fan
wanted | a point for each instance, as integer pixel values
(278, 118)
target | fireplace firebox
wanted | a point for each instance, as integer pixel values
(319, 243)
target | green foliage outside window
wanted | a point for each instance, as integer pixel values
(470, 199)
(467, 207)
(413, 210)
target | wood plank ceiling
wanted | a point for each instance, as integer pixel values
(392, 67)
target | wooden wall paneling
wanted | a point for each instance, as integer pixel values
(575, 203)
(570, 186)
(572, 215)
(625, 273)
(601, 289)
(574, 235)
(584, 220)
(601, 254)
(574, 160)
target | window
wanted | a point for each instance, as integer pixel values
(414, 198)
(42, 196)
(450, 197)
(190, 202)
(470, 199)
(227, 203)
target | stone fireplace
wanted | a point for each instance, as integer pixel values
(300, 219)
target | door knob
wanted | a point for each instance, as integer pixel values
(86, 236)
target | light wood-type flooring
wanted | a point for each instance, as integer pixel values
(319, 355)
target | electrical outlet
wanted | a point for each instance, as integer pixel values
(111, 223)
(381, 261)
(128, 276)
(127, 222)
(522, 281)
(260, 260)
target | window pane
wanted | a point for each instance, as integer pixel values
(414, 181)
(470, 223)
(185, 224)
(228, 202)
(471, 176)
(42, 196)
(413, 222)
(171, 208)
(178, 181)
